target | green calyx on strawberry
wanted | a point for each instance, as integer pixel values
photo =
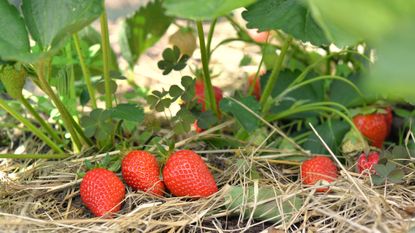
(185, 40)
(102, 192)
(374, 124)
(141, 171)
(13, 79)
(367, 163)
(186, 174)
(318, 169)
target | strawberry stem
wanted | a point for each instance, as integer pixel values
(85, 70)
(41, 121)
(275, 73)
(30, 126)
(210, 36)
(106, 59)
(210, 100)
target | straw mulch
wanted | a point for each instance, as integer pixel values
(43, 196)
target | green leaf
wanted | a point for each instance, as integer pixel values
(51, 22)
(206, 119)
(247, 120)
(175, 91)
(100, 86)
(14, 39)
(172, 60)
(388, 27)
(269, 202)
(344, 94)
(84, 97)
(182, 121)
(202, 9)
(369, 19)
(245, 61)
(332, 132)
(189, 85)
(142, 30)
(98, 124)
(384, 169)
(291, 16)
(381, 170)
(128, 112)
(396, 176)
(378, 180)
(400, 152)
(392, 73)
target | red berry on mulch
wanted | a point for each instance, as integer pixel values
(319, 168)
(102, 191)
(367, 162)
(186, 174)
(141, 171)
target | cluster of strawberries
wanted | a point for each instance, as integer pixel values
(374, 126)
(185, 174)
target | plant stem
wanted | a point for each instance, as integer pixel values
(30, 126)
(85, 71)
(71, 84)
(66, 117)
(210, 36)
(106, 59)
(41, 121)
(33, 156)
(81, 132)
(210, 100)
(275, 72)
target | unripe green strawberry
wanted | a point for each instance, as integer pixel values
(102, 191)
(319, 168)
(184, 40)
(141, 171)
(13, 80)
(186, 174)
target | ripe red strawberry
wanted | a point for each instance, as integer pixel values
(102, 191)
(367, 162)
(141, 171)
(316, 169)
(186, 174)
(374, 126)
(389, 116)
